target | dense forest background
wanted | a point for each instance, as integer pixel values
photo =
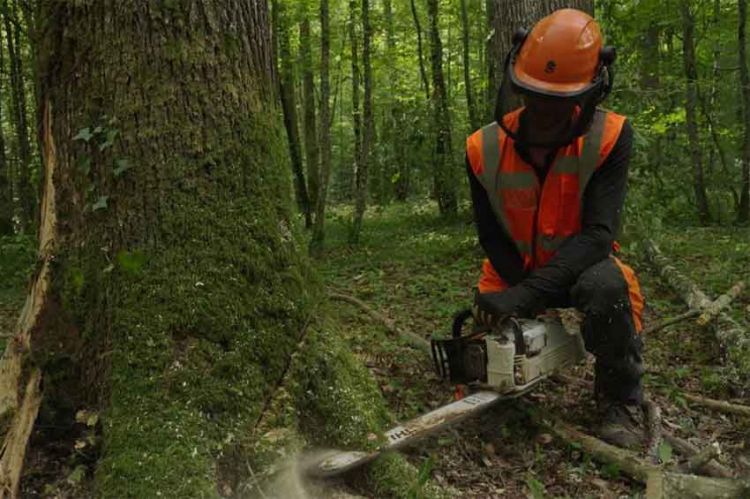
(173, 298)
(409, 80)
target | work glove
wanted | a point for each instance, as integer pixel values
(491, 309)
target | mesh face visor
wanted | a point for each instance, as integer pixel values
(538, 117)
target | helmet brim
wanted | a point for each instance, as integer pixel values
(526, 83)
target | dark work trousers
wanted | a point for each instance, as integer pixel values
(609, 331)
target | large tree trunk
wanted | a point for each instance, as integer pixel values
(356, 112)
(178, 293)
(363, 165)
(691, 99)
(470, 103)
(316, 244)
(743, 211)
(289, 107)
(26, 192)
(308, 103)
(444, 177)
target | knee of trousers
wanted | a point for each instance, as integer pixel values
(601, 290)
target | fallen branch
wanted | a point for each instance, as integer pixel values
(674, 320)
(660, 484)
(732, 337)
(652, 417)
(678, 486)
(413, 339)
(683, 447)
(719, 304)
(718, 405)
(702, 458)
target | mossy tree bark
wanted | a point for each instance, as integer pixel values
(743, 210)
(172, 293)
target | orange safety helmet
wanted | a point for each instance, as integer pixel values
(562, 58)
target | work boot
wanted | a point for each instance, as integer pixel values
(621, 425)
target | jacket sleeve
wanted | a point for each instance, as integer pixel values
(500, 250)
(603, 202)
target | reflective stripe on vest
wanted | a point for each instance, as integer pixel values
(511, 189)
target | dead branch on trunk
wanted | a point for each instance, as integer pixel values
(413, 339)
(20, 387)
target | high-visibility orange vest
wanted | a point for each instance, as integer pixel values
(538, 218)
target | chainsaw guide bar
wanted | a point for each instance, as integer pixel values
(407, 433)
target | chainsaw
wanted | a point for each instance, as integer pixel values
(493, 364)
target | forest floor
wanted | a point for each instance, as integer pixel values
(418, 270)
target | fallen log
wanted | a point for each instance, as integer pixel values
(719, 304)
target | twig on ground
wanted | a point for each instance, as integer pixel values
(719, 405)
(674, 320)
(413, 339)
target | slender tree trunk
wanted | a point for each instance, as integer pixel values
(289, 107)
(743, 210)
(25, 190)
(444, 178)
(6, 196)
(325, 127)
(649, 67)
(420, 51)
(691, 73)
(392, 161)
(308, 103)
(470, 104)
(369, 128)
(356, 112)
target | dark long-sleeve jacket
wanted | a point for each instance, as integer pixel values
(602, 205)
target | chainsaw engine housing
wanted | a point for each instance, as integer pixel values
(510, 357)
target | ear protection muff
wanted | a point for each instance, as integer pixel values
(607, 57)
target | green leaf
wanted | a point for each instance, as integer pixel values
(84, 164)
(111, 137)
(100, 204)
(121, 166)
(77, 475)
(665, 452)
(536, 488)
(131, 263)
(611, 471)
(83, 134)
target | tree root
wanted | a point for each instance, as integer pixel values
(413, 339)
